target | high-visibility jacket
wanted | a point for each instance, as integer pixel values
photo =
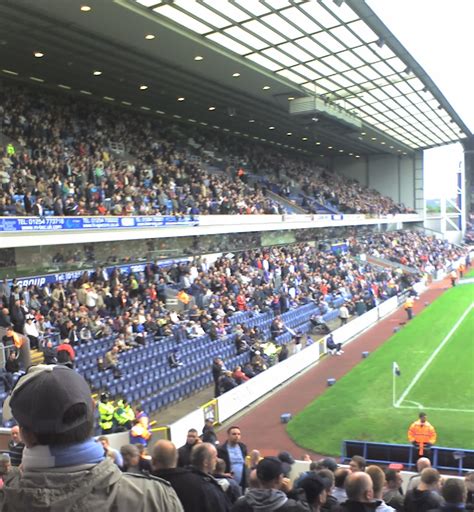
(106, 415)
(409, 303)
(422, 433)
(129, 413)
(10, 149)
(120, 415)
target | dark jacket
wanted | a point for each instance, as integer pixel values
(357, 506)
(448, 508)
(229, 486)
(184, 455)
(223, 454)
(422, 501)
(197, 491)
(16, 452)
(267, 500)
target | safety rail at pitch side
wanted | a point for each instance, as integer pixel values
(448, 459)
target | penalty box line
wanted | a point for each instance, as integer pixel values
(428, 362)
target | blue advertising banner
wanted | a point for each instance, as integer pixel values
(28, 224)
(135, 268)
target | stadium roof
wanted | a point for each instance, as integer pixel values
(366, 93)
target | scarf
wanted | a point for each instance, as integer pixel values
(42, 456)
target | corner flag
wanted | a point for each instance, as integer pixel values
(396, 369)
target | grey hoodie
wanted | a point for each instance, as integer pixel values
(98, 488)
(266, 500)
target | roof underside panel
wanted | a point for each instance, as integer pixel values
(329, 51)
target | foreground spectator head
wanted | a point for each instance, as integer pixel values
(233, 435)
(394, 479)
(204, 457)
(357, 463)
(422, 463)
(378, 480)
(131, 455)
(164, 455)
(52, 405)
(315, 491)
(270, 472)
(359, 487)
(5, 464)
(454, 491)
(327, 463)
(430, 479)
(287, 461)
(340, 476)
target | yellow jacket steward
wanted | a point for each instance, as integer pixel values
(422, 433)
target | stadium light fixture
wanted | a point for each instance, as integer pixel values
(38, 55)
(236, 75)
(291, 98)
(143, 87)
(150, 37)
(266, 87)
(97, 72)
(86, 8)
(181, 98)
(198, 58)
(289, 133)
(304, 138)
(251, 120)
(271, 127)
(211, 108)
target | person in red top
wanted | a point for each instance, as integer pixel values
(65, 353)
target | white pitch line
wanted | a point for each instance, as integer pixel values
(422, 370)
(435, 408)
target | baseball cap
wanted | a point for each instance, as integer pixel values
(44, 394)
(269, 468)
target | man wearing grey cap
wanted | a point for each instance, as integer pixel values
(63, 468)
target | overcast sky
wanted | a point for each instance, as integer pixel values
(439, 35)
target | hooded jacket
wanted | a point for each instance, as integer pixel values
(100, 487)
(267, 500)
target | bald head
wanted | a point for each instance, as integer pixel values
(423, 463)
(164, 455)
(359, 487)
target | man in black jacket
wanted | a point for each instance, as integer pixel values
(196, 488)
(455, 493)
(360, 494)
(184, 453)
(233, 453)
(426, 496)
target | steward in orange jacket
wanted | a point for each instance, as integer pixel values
(422, 434)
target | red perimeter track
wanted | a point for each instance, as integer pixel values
(261, 427)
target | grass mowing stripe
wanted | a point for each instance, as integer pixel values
(433, 355)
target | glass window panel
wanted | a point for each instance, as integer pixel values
(202, 12)
(182, 19)
(403, 101)
(227, 9)
(256, 8)
(345, 13)
(263, 61)
(310, 87)
(295, 52)
(320, 67)
(335, 63)
(325, 39)
(326, 84)
(346, 36)
(366, 54)
(369, 110)
(363, 31)
(311, 46)
(382, 68)
(404, 88)
(384, 53)
(263, 31)
(320, 14)
(416, 84)
(301, 20)
(380, 95)
(354, 76)
(308, 73)
(229, 43)
(381, 118)
(292, 76)
(396, 64)
(280, 57)
(342, 81)
(246, 37)
(368, 72)
(351, 59)
(356, 102)
(278, 23)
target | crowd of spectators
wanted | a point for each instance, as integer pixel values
(65, 162)
(130, 307)
(56, 464)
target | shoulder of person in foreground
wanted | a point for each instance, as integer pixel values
(158, 495)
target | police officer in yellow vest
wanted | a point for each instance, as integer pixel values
(123, 416)
(106, 414)
(10, 149)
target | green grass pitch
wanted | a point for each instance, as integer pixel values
(435, 353)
